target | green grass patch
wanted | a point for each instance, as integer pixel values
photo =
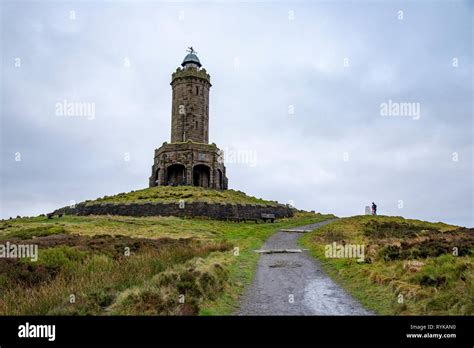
(173, 194)
(37, 231)
(411, 267)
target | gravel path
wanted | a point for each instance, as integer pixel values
(294, 283)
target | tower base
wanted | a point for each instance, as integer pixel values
(189, 163)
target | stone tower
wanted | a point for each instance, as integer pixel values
(189, 159)
(190, 106)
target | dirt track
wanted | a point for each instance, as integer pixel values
(294, 284)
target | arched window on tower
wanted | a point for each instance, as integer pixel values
(197, 124)
(197, 90)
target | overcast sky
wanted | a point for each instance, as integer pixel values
(296, 103)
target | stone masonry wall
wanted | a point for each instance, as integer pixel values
(190, 105)
(191, 209)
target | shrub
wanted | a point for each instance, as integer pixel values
(39, 231)
(60, 258)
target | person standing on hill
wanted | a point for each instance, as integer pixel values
(374, 209)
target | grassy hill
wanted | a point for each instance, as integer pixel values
(168, 194)
(119, 265)
(83, 267)
(410, 267)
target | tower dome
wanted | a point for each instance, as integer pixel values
(191, 58)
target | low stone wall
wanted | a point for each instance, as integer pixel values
(191, 209)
